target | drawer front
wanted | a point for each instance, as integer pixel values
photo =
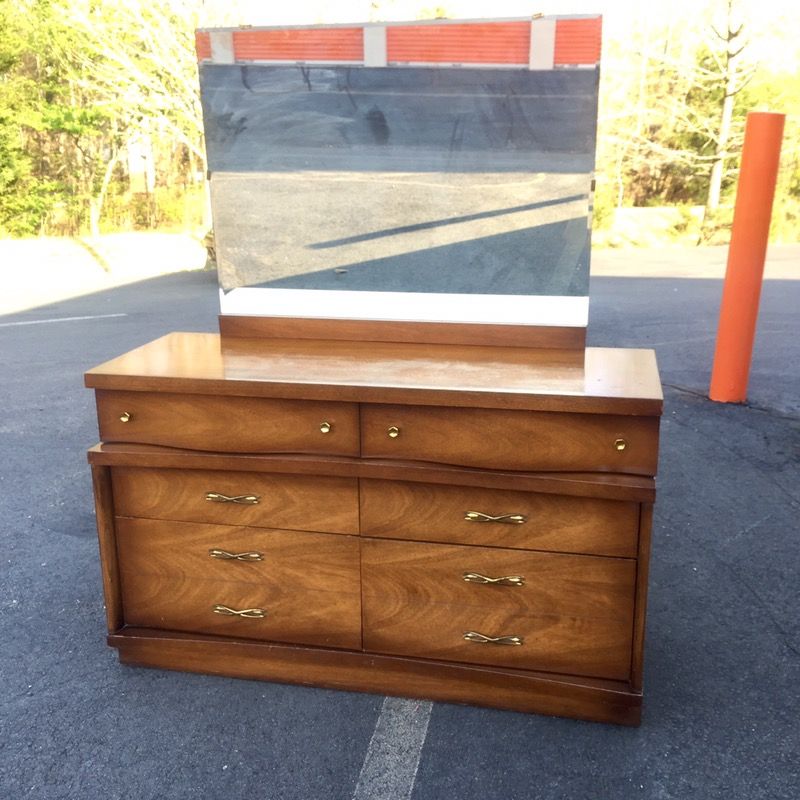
(490, 517)
(293, 502)
(570, 614)
(514, 440)
(175, 574)
(228, 424)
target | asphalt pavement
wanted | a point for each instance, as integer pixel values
(723, 640)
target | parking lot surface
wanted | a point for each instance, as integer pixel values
(723, 643)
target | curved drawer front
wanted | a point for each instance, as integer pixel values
(514, 440)
(299, 587)
(228, 424)
(541, 611)
(294, 502)
(525, 520)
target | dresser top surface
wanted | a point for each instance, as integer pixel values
(597, 380)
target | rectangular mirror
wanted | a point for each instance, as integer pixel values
(432, 172)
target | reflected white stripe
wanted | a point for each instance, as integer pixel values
(390, 766)
(57, 319)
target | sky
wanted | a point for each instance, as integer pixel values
(313, 11)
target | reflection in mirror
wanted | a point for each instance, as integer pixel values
(457, 193)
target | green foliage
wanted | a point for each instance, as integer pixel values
(21, 204)
(716, 226)
(75, 122)
(660, 131)
(686, 223)
(604, 203)
(78, 82)
(782, 93)
(167, 208)
(669, 157)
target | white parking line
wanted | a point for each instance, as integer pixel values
(390, 766)
(57, 319)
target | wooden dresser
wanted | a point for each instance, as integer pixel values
(457, 523)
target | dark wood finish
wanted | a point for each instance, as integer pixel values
(295, 502)
(517, 690)
(608, 486)
(109, 565)
(640, 612)
(517, 440)
(228, 424)
(357, 330)
(574, 612)
(427, 512)
(308, 583)
(599, 381)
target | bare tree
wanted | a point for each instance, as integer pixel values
(137, 58)
(734, 78)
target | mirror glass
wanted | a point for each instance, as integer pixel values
(416, 192)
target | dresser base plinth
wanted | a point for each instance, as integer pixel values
(564, 696)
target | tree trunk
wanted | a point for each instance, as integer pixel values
(732, 51)
(720, 154)
(96, 203)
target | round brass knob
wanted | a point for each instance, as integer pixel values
(393, 432)
(125, 416)
(620, 444)
(325, 427)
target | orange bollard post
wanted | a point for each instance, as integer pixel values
(746, 255)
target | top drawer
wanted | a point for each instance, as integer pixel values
(513, 440)
(228, 424)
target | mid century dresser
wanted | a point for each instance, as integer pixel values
(397, 468)
(454, 522)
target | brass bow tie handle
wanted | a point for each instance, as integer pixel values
(224, 555)
(507, 519)
(479, 638)
(239, 499)
(245, 613)
(504, 580)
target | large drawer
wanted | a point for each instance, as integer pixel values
(175, 574)
(571, 614)
(492, 517)
(513, 440)
(295, 502)
(228, 424)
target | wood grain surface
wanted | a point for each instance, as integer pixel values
(228, 424)
(494, 430)
(359, 330)
(307, 583)
(610, 486)
(295, 502)
(598, 381)
(109, 566)
(516, 440)
(575, 613)
(433, 513)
